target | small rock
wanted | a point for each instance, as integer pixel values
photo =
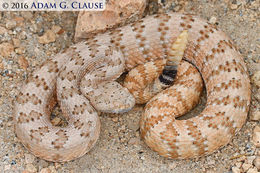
(211, 162)
(16, 42)
(116, 12)
(122, 128)
(26, 171)
(173, 165)
(133, 125)
(31, 168)
(213, 20)
(20, 50)
(19, 21)
(233, 6)
(48, 37)
(10, 24)
(56, 121)
(134, 141)
(2, 30)
(6, 49)
(7, 167)
(250, 159)
(57, 165)
(27, 14)
(115, 119)
(256, 136)
(252, 170)
(255, 116)
(246, 166)
(257, 95)
(29, 158)
(1, 66)
(52, 168)
(238, 164)
(45, 170)
(22, 35)
(23, 63)
(256, 79)
(235, 170)
(257, 162)
(142, 157)
(34, 28)
(42, 164)
(55, 28)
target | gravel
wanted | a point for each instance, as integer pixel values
(119, 148)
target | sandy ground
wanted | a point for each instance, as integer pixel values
(119, 148)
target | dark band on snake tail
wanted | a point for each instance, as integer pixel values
(168, 75)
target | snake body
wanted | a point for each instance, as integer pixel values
(90, 65)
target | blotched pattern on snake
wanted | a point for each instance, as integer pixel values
(90, 66)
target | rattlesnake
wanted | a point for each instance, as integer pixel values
(104, 57)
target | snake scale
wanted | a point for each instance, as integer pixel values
(76, 78)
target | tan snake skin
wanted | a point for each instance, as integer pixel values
(104, 57)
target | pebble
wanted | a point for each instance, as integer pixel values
(255, 116)
(173, 165)
(10, 24)
(22, 35)
(20, 50)
(246, 167)
(213, 20)
(256, 79)
(34, 28)
(48, 37)
(57, 165)
(116, 12)
(16, 42)
(132, 124)
(7, 167)
(233, 6)
(250, 159)
(19, 21)
(211, 162)
(26, 171)
(256, 136)
(6, 49)
(257, 162)
(235, 170)
(27, 14)
(29, 158)
(238, 164)
(2, 30)
(56, 121)
(31, 168)
(52, 168)
(134, 141)
(55, 28)
(42, 164)
(1, 65)
(252, 170)
(257, 95)
(115, 119)
(23, 63)
(45, 170)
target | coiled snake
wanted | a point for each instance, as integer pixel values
(90, 68)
